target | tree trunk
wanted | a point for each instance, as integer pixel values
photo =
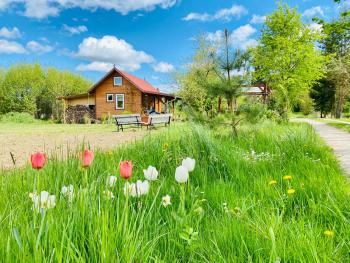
(219, 104)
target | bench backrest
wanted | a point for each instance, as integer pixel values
(127, 119)
(159, 118)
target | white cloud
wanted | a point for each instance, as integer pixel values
(241, 37)
(163, 67)
(316, 10)
(257, 19)
(75, 30)
(11, 47)
(226, 14)
(110, 49)
(95, 66)
(316, 27)
(39, 9)
(8, 33)
(43, 8)
(38, 48)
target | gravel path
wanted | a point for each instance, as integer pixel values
(338, 139)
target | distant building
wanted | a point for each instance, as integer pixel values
(257, 90)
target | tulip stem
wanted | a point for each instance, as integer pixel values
(86, 177)
(182, 201)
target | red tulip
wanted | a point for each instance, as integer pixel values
(86, 158)
(125, 169)
(38, 160)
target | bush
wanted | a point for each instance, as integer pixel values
(253, 112)
(18, 117)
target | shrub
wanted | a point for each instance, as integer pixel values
(18, 117)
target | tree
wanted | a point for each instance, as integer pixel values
(286, 58)
(336, 43)
(323, 93)
(339, 73)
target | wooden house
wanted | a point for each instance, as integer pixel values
(119, 92)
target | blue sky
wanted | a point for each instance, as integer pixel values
(149, 38)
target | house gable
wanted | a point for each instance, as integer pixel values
(132, 96)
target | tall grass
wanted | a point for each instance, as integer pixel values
(259, 223)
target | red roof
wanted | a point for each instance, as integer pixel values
(141, 84)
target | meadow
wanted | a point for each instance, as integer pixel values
(274, 194)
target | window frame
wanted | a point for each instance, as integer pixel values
(116, 101)
(121, 81)
(108, 94)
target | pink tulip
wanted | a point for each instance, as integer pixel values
(86, 158)
(38, 160)
(125, 169)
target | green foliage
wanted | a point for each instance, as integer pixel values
(286, 58)
(253, 112)
(30, 88)
(243, 218)
(323, 93)
(17, 117)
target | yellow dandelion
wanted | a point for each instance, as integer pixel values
(328, 233)
(287, 177)
(291, 191)
(273, 182)
(165, 146)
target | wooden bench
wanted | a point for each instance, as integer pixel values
(154, 119)
(131, 119)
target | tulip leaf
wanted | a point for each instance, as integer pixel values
(17, 237)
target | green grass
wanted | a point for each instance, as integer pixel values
(262, 223)
(343, 126)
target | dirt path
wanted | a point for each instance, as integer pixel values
(337, 139)
(22, 145)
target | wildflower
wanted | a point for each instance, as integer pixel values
(181, 174)
(328, 233)
(273, 182)
(110, 153)
(108, 194)
(43, 201)
(111, 180)
(86, 158)
(68, 191)
(291, 191)
(165, 147)
(189, 163)
(287, 177)
(150, 173)
(166, 200)
(38, 160)
(125, 169)
(136, 189)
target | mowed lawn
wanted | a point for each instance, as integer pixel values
(343, 126)
(274, 194)
(21, 140)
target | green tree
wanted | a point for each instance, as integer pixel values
(336, 43)
(323, 93)
(20, 87)
(286, 58)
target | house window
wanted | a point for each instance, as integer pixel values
(119, 101)
(109, 97)
(118, 81)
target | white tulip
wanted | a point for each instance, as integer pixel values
(150, 173)
(189, 163)
(68, 191)
(166, 200)
(136, 189)
(111, 180)
(181, 174)
(43, 201)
